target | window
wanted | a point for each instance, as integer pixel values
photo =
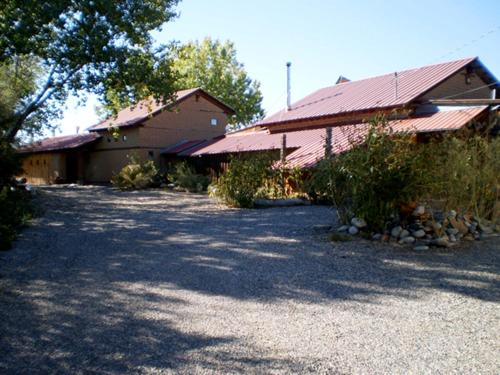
(213, 122)
(151, 154)
(124, 138)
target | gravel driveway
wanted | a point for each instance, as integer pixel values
(161, 282)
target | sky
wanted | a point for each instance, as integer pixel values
(325, 39)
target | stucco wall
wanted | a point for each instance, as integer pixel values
(191, 120)
(102, 164)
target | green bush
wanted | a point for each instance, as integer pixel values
(16, 210)
(466, 175)
(244, 177)
(373, 179)
(185, 177)
(15, 202)
(387, 171)
(329, 183)
(135, 175)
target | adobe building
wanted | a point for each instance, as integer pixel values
(144, 129)
(423, 101)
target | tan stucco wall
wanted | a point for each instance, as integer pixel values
(189, 121)
(107, 142)
(102, 165)
(44, 168)
(456, 85)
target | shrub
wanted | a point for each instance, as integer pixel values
(15, 202)
(240, 184)
(372, 180)
(185, 177)
(135, 175)
(388, 172)
(16, 210)
(466, 175)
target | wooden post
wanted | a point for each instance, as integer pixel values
(328, 142)
(283, 149)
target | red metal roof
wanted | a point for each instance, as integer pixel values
(182, 146)
(65, 142)
(134, 115)
(369, 94)
(309, 144)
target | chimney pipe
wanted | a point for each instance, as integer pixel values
(493, 93)
(288, 89)
(77, 129)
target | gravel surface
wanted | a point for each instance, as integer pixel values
(161, 282)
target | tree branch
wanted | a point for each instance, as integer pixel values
(45, 93)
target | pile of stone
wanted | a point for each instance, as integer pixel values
(426, 228)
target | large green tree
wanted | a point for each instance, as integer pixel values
(212, 65)
(74, 46)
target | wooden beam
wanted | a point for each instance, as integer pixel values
(464, 102)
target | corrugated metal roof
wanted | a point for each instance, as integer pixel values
(309, 144)
(182, 146)
(134, 115)
(65, 142)
(369, 94)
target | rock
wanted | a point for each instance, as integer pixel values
(452, 214)
(343, 228)
(419, 233)
(421, 248)
(419, 211)
(358, 223)
(171, 185)
(404, 233)
(377, 237)
(385, 238)
(396, 231)
(441, 242)
(469, 237)
(459, 225)
(407, 240)
(353, 230)
(452, 231)
(453, 238)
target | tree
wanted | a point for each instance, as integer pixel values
(212, 66)
(97, 46)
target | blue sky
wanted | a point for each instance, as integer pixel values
(324, 39)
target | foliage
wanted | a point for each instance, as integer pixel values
(98, 46)
(381, 172)
(282, 182)
(135, 175)
(384, 172)
(15, 202)
(16, 210)
(240, 184)
(185, 177)
(212, 66)
(257, 176)
(329, 183)
(466, 175)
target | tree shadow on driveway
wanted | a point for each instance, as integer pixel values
(88, 288)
